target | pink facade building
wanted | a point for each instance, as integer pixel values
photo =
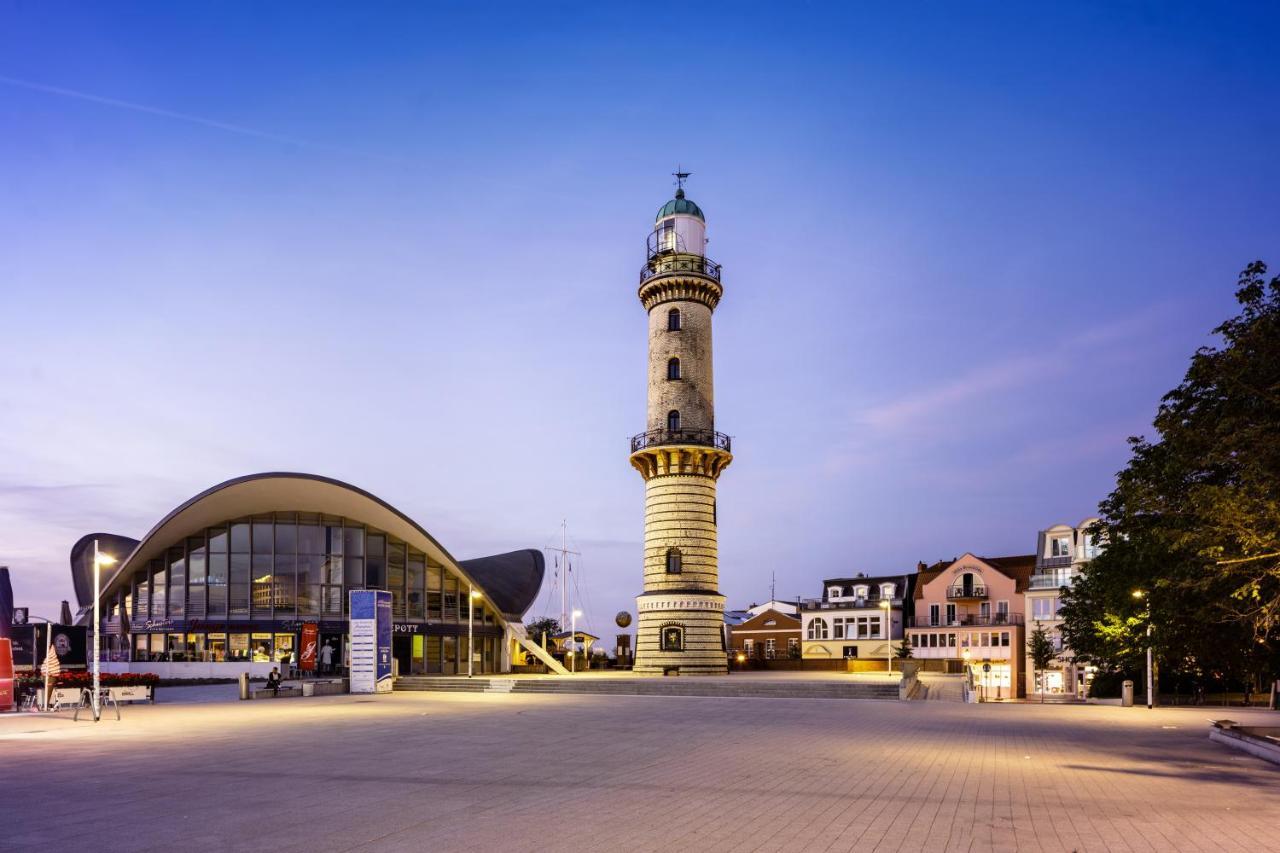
(971, 613)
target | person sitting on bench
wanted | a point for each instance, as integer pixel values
(273, 681)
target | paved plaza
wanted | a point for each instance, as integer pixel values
(582, 772)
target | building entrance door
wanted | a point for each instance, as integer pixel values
(402, 651)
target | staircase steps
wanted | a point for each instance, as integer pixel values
(653, 687)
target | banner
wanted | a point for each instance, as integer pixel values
(370, 641)
(310, 637)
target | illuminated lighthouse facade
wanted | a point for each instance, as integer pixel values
(680, 454)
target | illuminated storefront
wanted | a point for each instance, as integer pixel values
(237, 576)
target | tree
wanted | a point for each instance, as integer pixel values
(903, 651)
(548, 625)
(1194, 520)
(1041, 651)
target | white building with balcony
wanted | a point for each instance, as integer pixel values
(857, 617)
(1061, 551)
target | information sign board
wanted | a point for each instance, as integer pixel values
(370, 641)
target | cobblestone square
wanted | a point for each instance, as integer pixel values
(582, 772)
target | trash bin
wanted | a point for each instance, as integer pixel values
(244, 685)
(308, 688)
(1126, 693)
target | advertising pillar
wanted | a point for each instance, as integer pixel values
(370, 641)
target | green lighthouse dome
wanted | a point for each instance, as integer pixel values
(679, 204)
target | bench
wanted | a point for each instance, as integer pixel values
(285, 690)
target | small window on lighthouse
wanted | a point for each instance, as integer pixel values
(673, 320)
(673, 421)
(673, 368)
(673, 561)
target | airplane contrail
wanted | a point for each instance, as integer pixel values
(187, 117)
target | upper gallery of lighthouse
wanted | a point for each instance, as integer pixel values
(679, 227)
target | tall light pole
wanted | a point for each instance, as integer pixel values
(99, 560)
(886, 604)
(1137, 593)
(573, 639)
(471, 606)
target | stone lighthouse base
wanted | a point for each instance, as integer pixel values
(680, 632)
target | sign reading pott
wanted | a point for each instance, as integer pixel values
(370, 641)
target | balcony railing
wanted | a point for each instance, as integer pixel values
(967, 621)
(699, 437)
(660, 264)
(1050, 580)
(847, 603)
(962, 591)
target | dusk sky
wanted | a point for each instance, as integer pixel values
(965, 253)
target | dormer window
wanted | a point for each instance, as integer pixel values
(835, 591)
(1060, 546)
(887, 590)
(860, 591)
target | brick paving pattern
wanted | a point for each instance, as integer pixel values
(586, 772)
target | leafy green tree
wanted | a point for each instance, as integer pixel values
(548, 625)
(1194, 520)
(1041, 651)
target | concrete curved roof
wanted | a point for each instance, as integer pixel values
(509, 582)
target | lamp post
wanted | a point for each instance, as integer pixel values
(471, 606)
(573, 639)
(885, 604)
(968, 673)
(1141, 594)
(99, 560)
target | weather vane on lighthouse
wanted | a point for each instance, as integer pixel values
(681, 176)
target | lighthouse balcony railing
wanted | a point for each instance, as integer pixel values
(698, 437)
(662, 263)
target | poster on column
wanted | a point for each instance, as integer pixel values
(310, 635)
(370, 643)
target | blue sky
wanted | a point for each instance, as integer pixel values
(966, 250)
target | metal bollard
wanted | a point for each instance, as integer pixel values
(244, 685)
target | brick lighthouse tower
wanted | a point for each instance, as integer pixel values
(680, 454)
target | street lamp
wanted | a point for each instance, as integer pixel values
(99, 560)
(471, 606)
(885, 604)
(968, 673)
(573, 639)
(1141, 594)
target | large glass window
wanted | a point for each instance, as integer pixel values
(284, 651)
(311, 569)
(449, 664)
(218, 573)
(431, 656)
(262, 571)
(177, 583)
(375, 562)
(238, 647)
(435, 591)
(450, 598)
(239, 589)
(415, 586)
(395, 577)
(283, 585)
(158, 587)
(262, 537)
(217, 646)
(260, 647)
(197, 568)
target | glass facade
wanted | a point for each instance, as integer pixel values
(241, 590)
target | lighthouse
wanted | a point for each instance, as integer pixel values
(680, 454)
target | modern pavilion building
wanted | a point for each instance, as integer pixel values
(230, 580)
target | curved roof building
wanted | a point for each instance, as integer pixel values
(236, 575)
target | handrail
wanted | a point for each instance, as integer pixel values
(660, 264)
(967, 621)
(700, 437)
(961, 591)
